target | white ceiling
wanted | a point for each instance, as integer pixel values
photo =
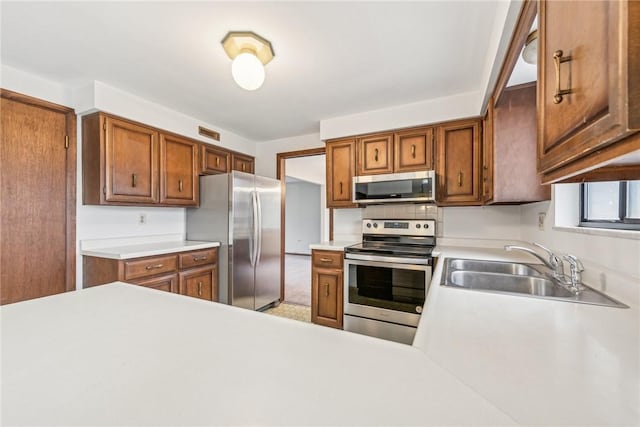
(332, 58)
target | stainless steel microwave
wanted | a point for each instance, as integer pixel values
(408, 187)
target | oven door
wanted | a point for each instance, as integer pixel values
(382, 288)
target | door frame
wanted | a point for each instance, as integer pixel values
(281, 175)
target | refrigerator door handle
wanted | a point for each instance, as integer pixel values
(253, 232)
(259, 234)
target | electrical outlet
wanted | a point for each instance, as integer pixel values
(142, 219)
(541, 217)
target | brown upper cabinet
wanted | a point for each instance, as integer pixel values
(242, 163)
(509, 172)
(121, 164)
(179, 183)
(458, 164)
(413, 150)
(341, 167)
(588, 84)
(213, 160)
(375, 154)
(120, 161)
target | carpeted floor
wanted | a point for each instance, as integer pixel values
(291, 311)
(297, 279)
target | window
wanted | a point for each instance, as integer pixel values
(614, 204)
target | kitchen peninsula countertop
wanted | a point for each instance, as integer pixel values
(116, 355)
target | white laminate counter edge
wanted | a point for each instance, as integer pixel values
(147, 249)
(331, 246)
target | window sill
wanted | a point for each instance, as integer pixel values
(621, 234)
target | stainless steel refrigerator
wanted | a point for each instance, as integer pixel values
(242, 212)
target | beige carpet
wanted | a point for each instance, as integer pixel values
(291, 311)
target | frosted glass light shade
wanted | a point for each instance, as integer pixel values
(530, 51)
(247, 71)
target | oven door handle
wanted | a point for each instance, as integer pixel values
(388, 261)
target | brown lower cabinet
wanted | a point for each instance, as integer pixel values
(193, 273)
(326, 288)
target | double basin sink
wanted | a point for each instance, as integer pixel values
(530, 280)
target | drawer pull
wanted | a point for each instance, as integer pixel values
(459, 179)
(413, 150)
(180, 185)
(325, 259)
(326, 289)
(202, 258)
(153, 267)
(199, 289)
(557, 60)
(134, 179)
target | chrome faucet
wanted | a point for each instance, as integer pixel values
(554, 263)
(576, 268)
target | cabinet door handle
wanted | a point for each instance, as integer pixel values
(557, 60)
(202, 258)
(134, 179)
(340, 187)
(243, 167)
(375, 155)
(199, 289)
(217, 161)
(180, 185)
(153, 267)
(326, 289)
(413, 150)
(459, 179)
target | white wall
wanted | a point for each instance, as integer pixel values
(33, 85)
(302, 219)
(267, 151)
(418, 113)
(611, 258)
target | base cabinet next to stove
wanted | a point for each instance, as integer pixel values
(326, 288)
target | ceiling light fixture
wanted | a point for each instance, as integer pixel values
(530, 51)
(250, 53)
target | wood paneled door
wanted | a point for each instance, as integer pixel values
(588, 83)
(375, 154)
(179, 183)
(341, 167)
(38, 191)
(413, 150)
(458, 166)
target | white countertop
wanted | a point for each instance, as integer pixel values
(542, 362)
(332, 245)
(147, 249)
(121, 354)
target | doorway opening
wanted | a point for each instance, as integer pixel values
(304, 220)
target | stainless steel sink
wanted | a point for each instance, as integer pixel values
(530, 280)
(493, 267)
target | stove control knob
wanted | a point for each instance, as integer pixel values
(368, 225)
(375, 225)
(419, 309)
(426, 226)
(417, 225)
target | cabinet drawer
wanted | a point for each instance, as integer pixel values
(327, 259)
(168, 283)
(197, 258)
(150, 266)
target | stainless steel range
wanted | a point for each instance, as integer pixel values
(387, 277)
